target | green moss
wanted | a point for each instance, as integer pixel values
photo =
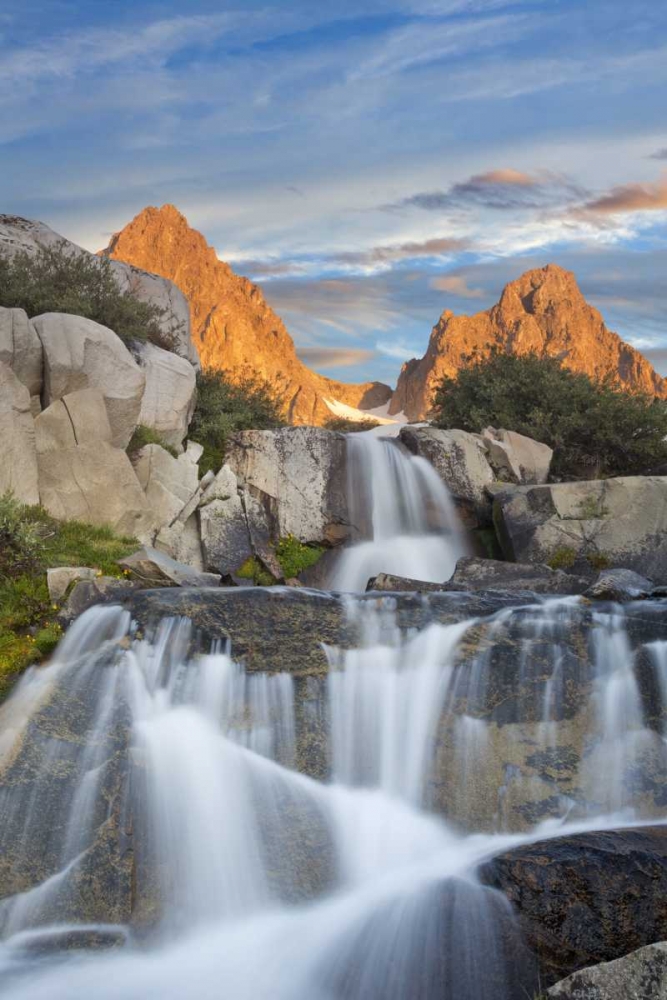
(562, 558)
(591, 508)
(253, 570)
(146, 435)
(294, 557)
(598, 560)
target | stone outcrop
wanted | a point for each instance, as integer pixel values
(516, 458)
(80, 354)
(543, 311)
(21, 348)
(82, 476)
(155, 569)
(298, 475)
(60, 579)
(169, 396)
(233, 327)
(641, 975)
(587, 526)
(619, 585)
(470, 465)
(586, 898)
(169, 483)
(18, 458)
(460, 460)
(18, 234)
(472, 573)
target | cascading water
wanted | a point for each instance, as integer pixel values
(229, 874)
(402, 516)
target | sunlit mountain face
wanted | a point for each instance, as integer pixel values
(370, 164)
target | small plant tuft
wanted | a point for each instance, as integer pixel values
(562, 558)
(146, 435)
(294, 556)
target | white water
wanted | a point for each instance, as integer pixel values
(397, 912)
(402, 515)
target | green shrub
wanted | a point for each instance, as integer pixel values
(30, 542)
(146, 435)
(595, 428)
(294, 556)
(224, 406)
(21, 545)
(347, 426)
(53, 279)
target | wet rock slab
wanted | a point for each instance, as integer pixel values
(586, 898)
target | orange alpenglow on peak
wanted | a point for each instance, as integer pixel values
(543, 311)
(233, 327)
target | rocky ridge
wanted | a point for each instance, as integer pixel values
(542, 311)
(233, 327)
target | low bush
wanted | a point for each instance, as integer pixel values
(294, 556)
(54, 279)
(30, 542)
(595, 428)
(224, 406)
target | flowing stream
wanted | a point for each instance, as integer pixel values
(163, 833)
(402, 515)
(252, 880)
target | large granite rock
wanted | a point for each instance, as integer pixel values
(18, 458)
(460, 460)
(82, 476)
(587, 526)
(169, 483)
(516, 458)
(79, 418)
(21, 349)
(155, 569)
(641, 975)
(18, 234)
(80, 354)
(169, 396)
(619, 585)
(586, 898)
(472, 573)
(298, 475)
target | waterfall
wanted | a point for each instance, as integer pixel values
(237, 876)
(402, 516)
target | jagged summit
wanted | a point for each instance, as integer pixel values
(233, 326)
(543, 311)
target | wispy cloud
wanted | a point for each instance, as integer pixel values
(501, 189)
(456, 284)
(660, 154)
(630, 198)
(394, 349)
(334, 357)
(394, 253)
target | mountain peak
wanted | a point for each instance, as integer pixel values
(233, 326)
(542, 311)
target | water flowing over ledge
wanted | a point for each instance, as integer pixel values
(160, 806)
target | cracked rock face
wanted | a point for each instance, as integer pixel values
(543, 311)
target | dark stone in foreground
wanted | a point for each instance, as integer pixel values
(641, 975)
(473, 573)
(620, 585)
(586, 898)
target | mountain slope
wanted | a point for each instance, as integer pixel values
(542, 311)
(233, 327)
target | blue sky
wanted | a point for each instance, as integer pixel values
(370, 163)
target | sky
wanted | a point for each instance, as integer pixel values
(368, 163)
